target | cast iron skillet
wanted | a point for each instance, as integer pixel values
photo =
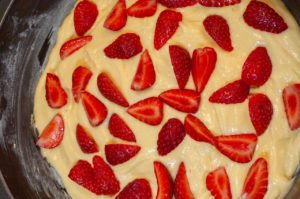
(27, 34)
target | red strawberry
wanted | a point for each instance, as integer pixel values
(142, 8)
(262, 17)
(96, 111)
(197, 130)
(217, 182)
(203, 64)
(238, 148)
(118, 17)
(233, 93)
(145, 74)
(124, 47)
(256, 183)
(217, 27)
(261, 112)
(182, 64)
(71, 46)
(164, 181)
(80, 78)
(177, 3)
(181, 185)
(137, 189)
(149, 110)
(118, 128)
(85, 140)
(291, 99)
(166, 26)
(110, 91)
(120, 153)
(53, 134)
(56, 96)
(257, 68)
(218, 3)
(85, 15)
(170, 136)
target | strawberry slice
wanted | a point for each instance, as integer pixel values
(110, 91)
(291, 99)
(256, 183)
(261, 112)
(170, 136)
(233, 93)
(124, 47)
(197, 130)
(71, 46)
(238, 148)
(177, 3)
(164, 181)
(120, 153)
(117, 18)
(53, 134)
(143, 8)
(217, 27)
(217, 182)
(80, 78)
(257, 67)
(85, 15)
(181, 185)
(261, 16)
(56, 96)
(137, 189)
(218, 3)
(203, 64)
(183, 100)
(166, 26)
(96, 111)
(145, 74)
(182, 64)
(118, 128)
(149, 110)
(85, 140)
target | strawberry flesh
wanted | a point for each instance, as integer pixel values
(71, 46)
(85, 140)
(181, 185)
(118, 128)
(177, 3)
(120, 153)
(164, 181)
(117, 18)
(56, 96)
(218, 3)
(80, 78)
(143, 8)
(291, 99)
(137, 189)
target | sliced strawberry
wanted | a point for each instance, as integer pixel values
(233, 93)
(145, 74)
(96, 111)
(85, 140)
(124, 47)
(261, 112)
(120, 153)
(53, 134)
(110, 91)
(118, 128)
(217, 27)
(257, 67)
(117, 18)
(71, 46)
(137, 189)
(261, 16)
(291, 99)
(182, 64)
(203, 64)
(239, 148)
(182, 100)
(218, 3)
(166, 26)
(181, 185)
(149, 110)
(142, 8)
(164, 181)
(197, 130)
(80, 78)
(56, 96)
(256, 183)
(177, 3)
(170, 136)
(85, 15)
